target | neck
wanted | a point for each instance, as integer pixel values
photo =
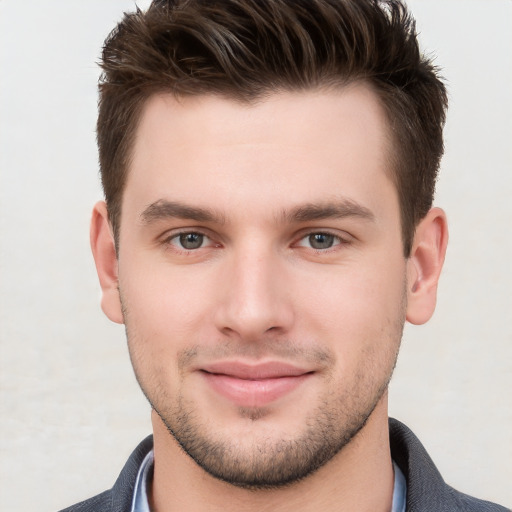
(360, 477)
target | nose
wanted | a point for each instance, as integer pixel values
(254, 299)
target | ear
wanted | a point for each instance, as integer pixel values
(424, 265)
(104, 252)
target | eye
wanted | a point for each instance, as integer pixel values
(320, 241)
(189, 241)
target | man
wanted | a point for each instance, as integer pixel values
(269, 169)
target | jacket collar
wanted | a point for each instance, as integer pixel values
(426, 489)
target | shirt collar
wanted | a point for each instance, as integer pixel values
(399, 490)
(140, 501)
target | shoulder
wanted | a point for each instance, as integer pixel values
(471, 504)
(100, 503)
(119, 498)
(426, 489)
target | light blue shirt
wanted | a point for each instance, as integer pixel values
(399, 491)
(140, 496)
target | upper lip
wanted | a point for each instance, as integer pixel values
(259, 371)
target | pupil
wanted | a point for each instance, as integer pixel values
(191, 240)
(321, 240)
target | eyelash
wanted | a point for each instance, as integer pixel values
(168, 241)
(338, 241)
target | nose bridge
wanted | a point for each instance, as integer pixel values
(255, 299)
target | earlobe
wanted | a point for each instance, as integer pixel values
(104, 252)
(425, 264)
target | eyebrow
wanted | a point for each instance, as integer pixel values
(330, 210)
(163, 209)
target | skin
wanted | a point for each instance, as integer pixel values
(294, 258)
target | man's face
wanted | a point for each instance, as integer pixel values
(262, 277)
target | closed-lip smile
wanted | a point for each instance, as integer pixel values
(254, 385)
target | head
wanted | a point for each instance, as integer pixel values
(268, 168)
(248, 49)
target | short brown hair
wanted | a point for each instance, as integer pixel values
(246, 49)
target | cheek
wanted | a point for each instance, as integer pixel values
(357, 305)
(164, 300)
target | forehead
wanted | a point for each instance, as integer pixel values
(288, 114)
(287, 147)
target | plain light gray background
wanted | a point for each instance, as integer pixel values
(71, 411)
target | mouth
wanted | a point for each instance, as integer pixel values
(254, 385)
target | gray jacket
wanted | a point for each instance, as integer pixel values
(426, 489)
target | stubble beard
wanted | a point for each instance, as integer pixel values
(265, 462)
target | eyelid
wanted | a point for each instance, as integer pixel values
(341, 238)
(171, 235)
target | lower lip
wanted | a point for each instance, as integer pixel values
(254, 393)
